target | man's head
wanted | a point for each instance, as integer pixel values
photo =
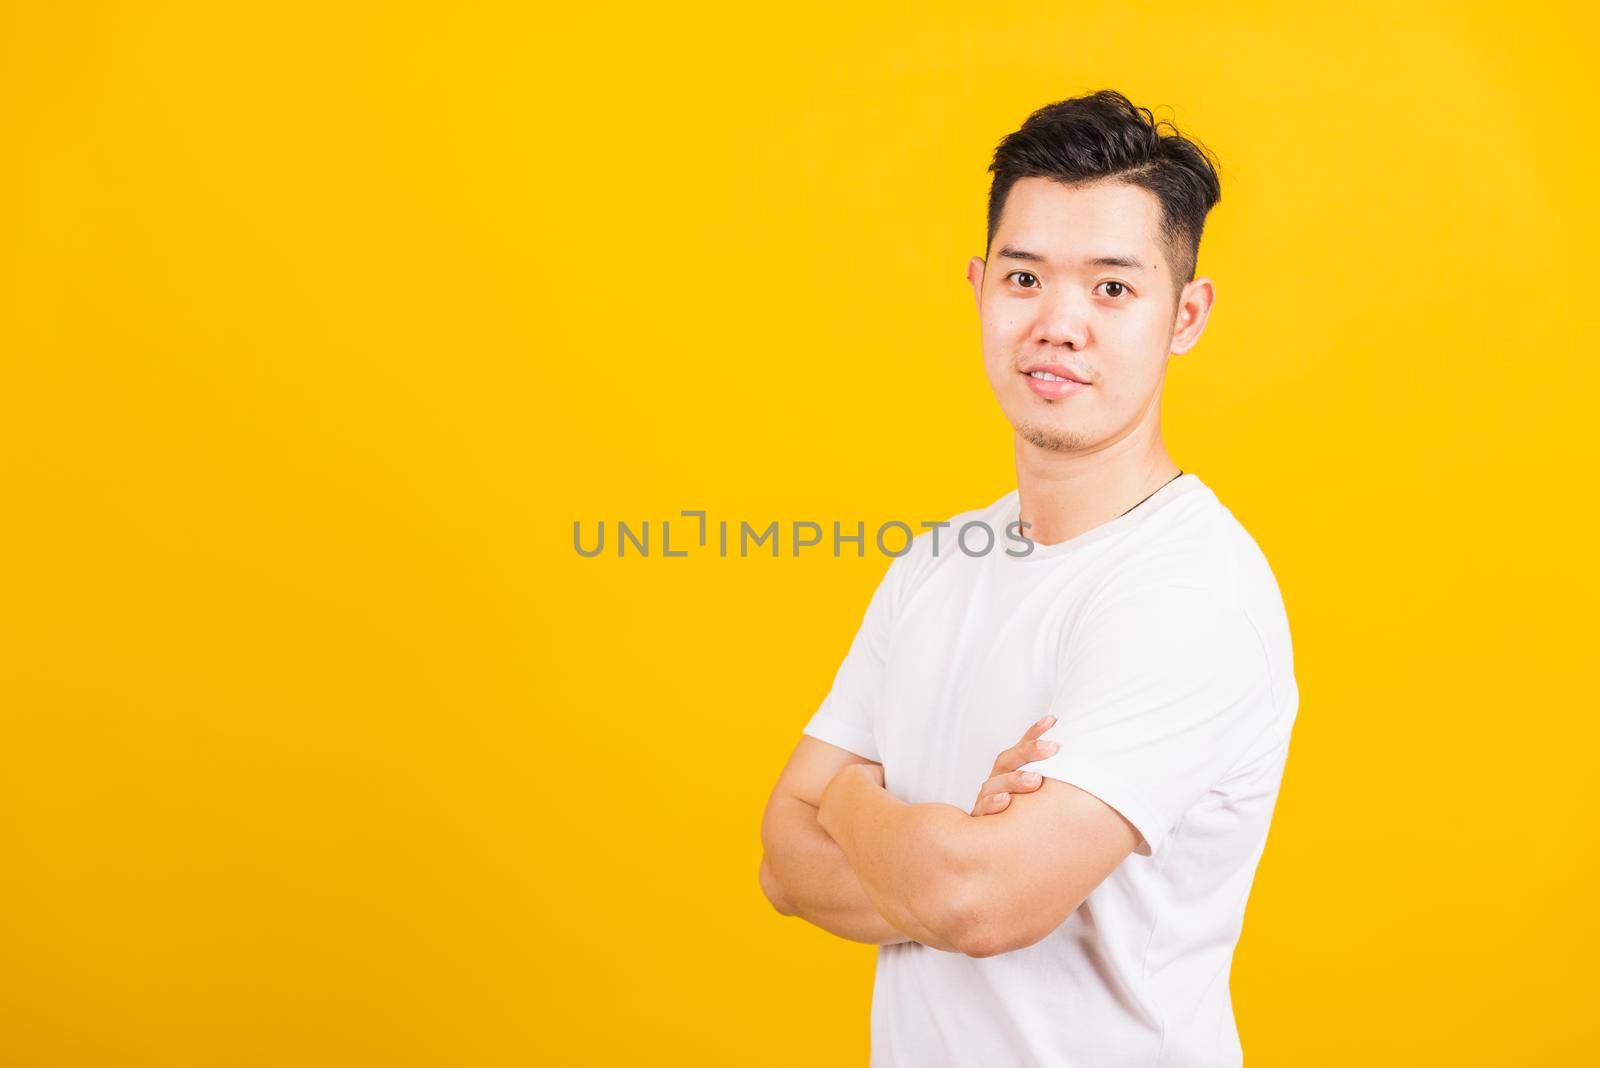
(1095, 216)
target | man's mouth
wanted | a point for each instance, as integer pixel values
(1054, 381)
(1054, 372)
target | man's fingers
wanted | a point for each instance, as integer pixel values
(1022, 752)
(1019, 782)
(1038, 728)
(1005, 779)
(990, 803)
(996, 793)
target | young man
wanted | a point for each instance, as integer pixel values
(1086, 916)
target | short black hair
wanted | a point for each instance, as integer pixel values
(1103, 136)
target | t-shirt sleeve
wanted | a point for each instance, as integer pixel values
(847, 714)
(1161, 693)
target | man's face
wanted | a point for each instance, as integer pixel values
(1046, 306)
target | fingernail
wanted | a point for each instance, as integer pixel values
(1031, 778)
(998, 798)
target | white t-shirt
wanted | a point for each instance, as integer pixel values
(1159, 640)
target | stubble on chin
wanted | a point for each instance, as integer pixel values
(1053, 439)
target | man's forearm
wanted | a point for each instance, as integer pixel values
(909, 859)
(814, 878)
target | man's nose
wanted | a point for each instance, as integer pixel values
(1063, 320)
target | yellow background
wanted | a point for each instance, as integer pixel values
(321, 324)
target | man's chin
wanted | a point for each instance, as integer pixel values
(1053, 438)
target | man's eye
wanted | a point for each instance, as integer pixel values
(1019, 275)
(1121, 289)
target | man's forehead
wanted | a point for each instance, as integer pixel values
(1104, 224)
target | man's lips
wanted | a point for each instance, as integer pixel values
(1056, 370)
(1052, 381)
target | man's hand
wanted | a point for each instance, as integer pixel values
(1004, 779)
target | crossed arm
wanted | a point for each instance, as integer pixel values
(877, 869)
(803, 871)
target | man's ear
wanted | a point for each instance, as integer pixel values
(975, 278)
(1194, 307)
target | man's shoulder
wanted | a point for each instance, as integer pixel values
(1203, 553)
(1197, 543)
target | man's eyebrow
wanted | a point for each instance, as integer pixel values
(1012, 253)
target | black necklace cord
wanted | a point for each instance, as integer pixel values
(1157, 490)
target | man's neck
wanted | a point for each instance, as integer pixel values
(1062, 495)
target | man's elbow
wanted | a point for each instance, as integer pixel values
(969, 921)
(979, 933)
(986, 935)
(774, 890)
(988, 922)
